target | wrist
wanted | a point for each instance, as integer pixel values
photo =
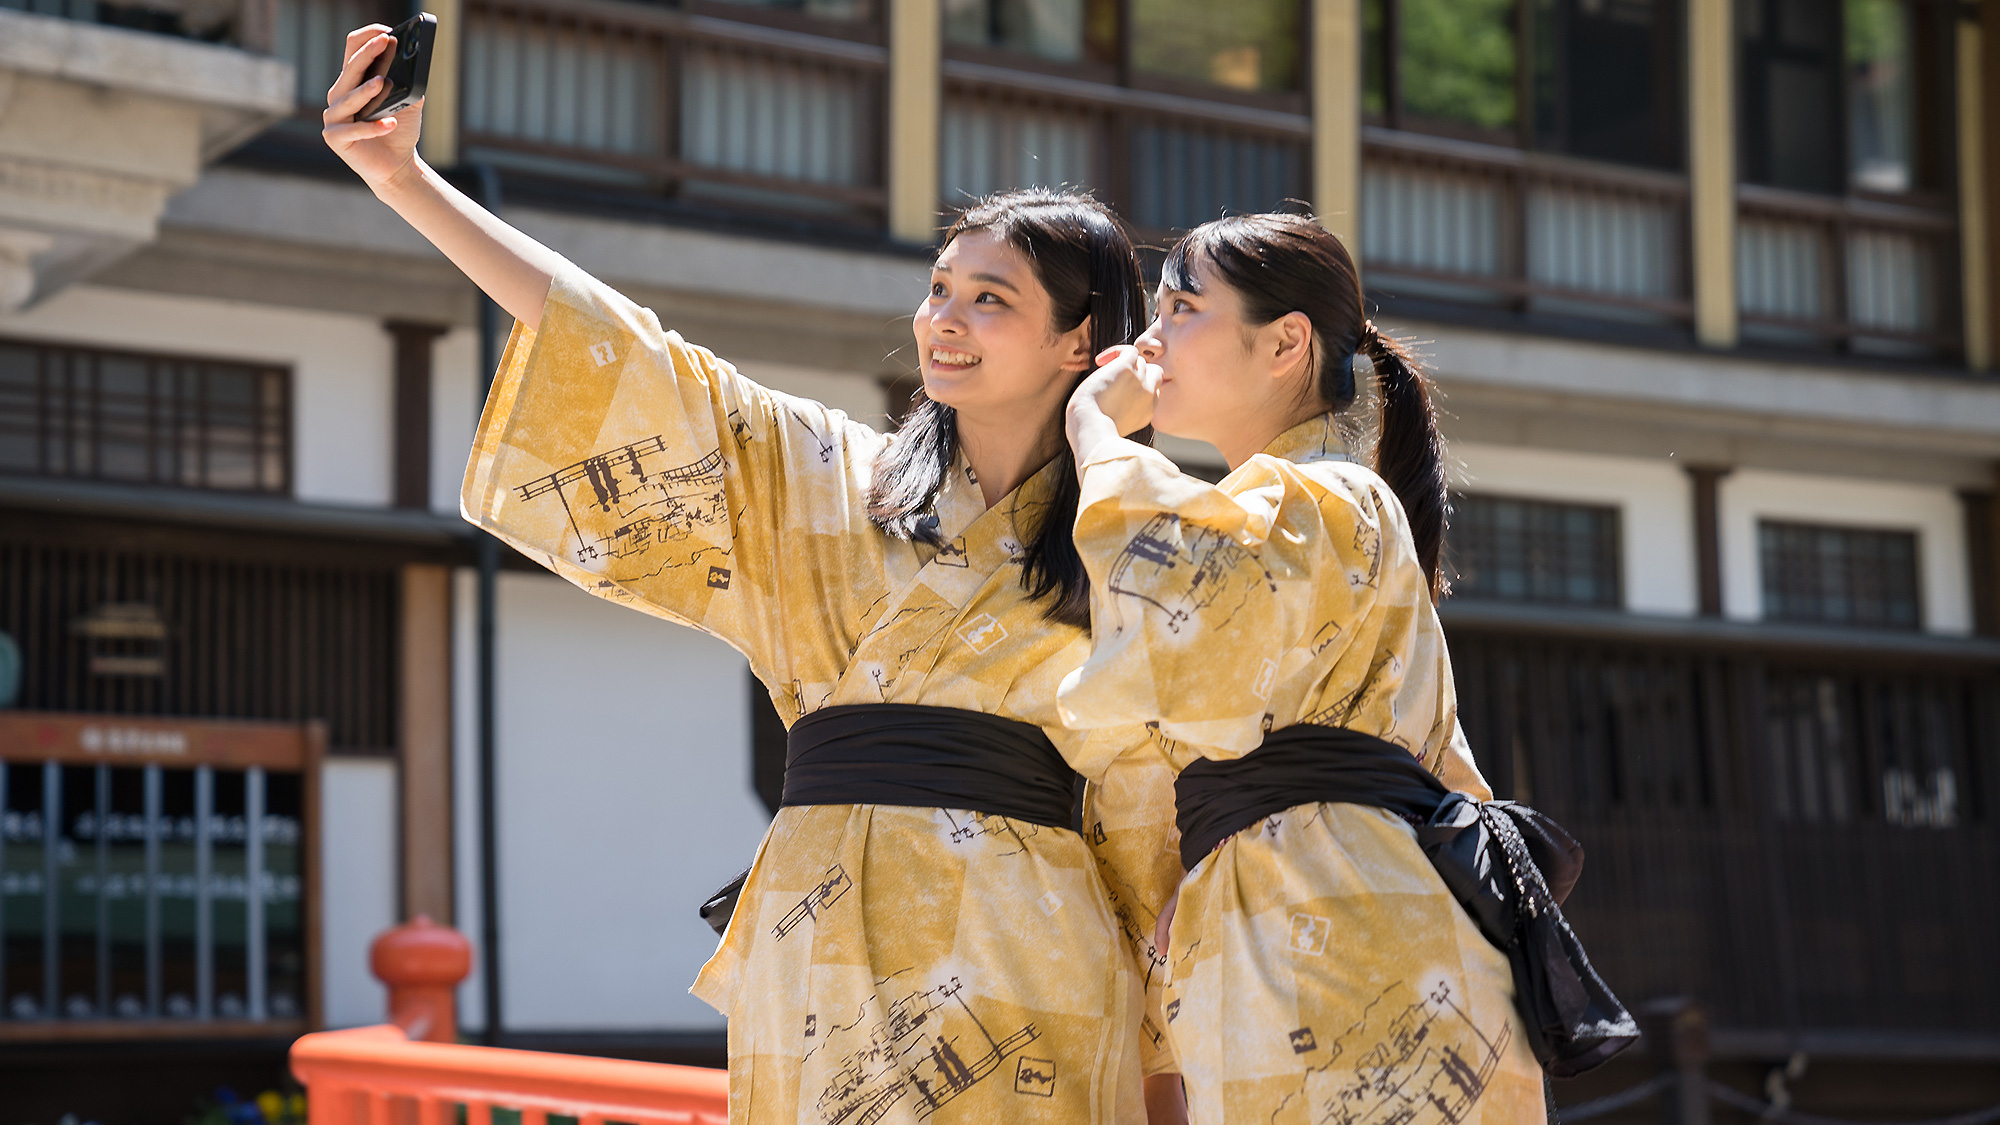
(404, 181)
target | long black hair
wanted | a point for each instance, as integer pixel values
(1083, 258)
(1282, 263)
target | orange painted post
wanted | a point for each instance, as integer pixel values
(422, 963)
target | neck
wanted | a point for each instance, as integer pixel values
(1003, 453)
(1259, 431)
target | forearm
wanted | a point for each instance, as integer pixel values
(510, 267)
(1089, 430)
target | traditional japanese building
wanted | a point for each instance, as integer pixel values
(1709, 286)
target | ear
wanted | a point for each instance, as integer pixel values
(1290, 341)
(1077, 356)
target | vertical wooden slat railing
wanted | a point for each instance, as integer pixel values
(1471, 222)
(705, 109)
(1168, 162)
(1821, 270)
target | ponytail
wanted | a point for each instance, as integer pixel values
(1409, 454)
(1283, 263)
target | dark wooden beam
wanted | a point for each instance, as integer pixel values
(413, 410)
(1706, 480)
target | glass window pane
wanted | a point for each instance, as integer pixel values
(1839, 576)
(1508, 549)
(124, 389)
(1879, 80)
(1457, 61)
(846, 10)
(1789, 103)
(284, 897)
(1243, 45)
(1608, 79)
(124, 834)
(228, 896)
(179, 974)
(1050, 29)
(23, 895)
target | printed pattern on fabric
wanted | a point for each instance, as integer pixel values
(1318, 970)
(884, 964)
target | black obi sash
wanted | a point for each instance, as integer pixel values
(1298, 765)
(929, 757)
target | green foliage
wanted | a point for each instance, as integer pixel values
(1458, 60)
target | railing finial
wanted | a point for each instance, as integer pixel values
(422, 963)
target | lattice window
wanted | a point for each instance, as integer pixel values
(147, 419)
(1839, 575)
(1508, 549)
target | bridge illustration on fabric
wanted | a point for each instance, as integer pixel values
(1423, 1063)
(653, 504)
(931, 1048)
(1185, 571)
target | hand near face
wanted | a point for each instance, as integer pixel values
(1124, 388)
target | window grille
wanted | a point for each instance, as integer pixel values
(145, 419)
(1507, 549)
(1839, 575)
(151, 893)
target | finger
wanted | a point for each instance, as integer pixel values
(361, 35)
(345, 109)
(356, 65)
(352, 131)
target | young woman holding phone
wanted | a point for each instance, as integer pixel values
(922, 936)
(1280, 630)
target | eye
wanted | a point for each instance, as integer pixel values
(937, 288)
(989, 299)
(1181, 306)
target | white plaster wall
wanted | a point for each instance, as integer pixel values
(358, 837)
(624, 800)
(454, 413)
(1656, 520)
(342, 382)
(1933, 513)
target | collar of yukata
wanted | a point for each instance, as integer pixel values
(1315, 439)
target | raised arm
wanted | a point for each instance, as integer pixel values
(512, 268)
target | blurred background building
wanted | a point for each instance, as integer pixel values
(1709, 285)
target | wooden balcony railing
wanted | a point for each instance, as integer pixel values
(691, 106)
(1785, 824)
(1167, 162)
(1860, 274)
(1497, 225)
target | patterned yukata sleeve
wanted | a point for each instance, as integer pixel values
(1128, 819)
(1201, 598)
(648, 472)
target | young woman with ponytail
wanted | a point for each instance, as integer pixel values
(1279, 631)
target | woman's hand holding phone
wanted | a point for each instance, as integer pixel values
(380, 152)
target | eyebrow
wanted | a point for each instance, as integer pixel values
(988, 278)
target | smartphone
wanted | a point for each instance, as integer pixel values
(406, 65)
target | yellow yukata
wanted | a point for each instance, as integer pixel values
(884, 964)
(1318, 969)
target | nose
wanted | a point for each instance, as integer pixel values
(1151, 346)
(947, 319)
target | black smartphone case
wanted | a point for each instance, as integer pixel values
(409, 72)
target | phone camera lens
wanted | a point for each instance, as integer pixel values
(410, 48)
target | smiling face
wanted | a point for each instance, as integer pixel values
(1223, 380)
(985, 334)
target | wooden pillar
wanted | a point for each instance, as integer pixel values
(916, 95)
(443, 97)
(1988, 92)
(424, 738)
(1336, 119)
(412, 473)
(1706, 480)
(1982, 557)
(1711, 121)
(1973, 235)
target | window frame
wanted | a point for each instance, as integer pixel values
(55, 418)
(1611, 551)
